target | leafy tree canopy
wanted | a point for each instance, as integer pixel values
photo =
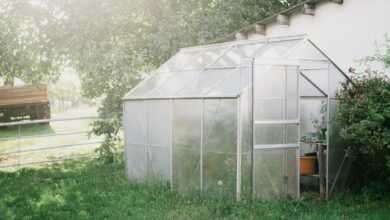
(111, 43)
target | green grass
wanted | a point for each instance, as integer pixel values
(91, 190)
(26, 130)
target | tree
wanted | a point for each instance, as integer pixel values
(27, 50)
(114, 43)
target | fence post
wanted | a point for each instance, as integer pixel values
(19, 135)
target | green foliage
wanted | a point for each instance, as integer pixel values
(112, 43)
(93, 190)
(364, 113)
(27, 43)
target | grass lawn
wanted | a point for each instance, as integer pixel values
(91, 190)
(58, 127)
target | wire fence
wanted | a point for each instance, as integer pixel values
(40, 142)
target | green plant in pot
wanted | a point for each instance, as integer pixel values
(320, 124)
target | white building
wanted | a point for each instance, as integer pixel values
(347, 31)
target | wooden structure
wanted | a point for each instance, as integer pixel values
(27, 102)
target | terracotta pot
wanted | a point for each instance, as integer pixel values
(308, 165)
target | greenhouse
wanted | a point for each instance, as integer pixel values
(236, 119)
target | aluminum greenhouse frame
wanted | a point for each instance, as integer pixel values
(229, 118)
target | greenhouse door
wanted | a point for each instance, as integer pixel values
(275, 131)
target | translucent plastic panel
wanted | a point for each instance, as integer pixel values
(269, 134)
(269, 168)
(275, 173)
(193, 58)
(186, 170)
(307, 89)
(136, 162)
(159, 119)
(305, 51)
(173, 85)
(246, 121)
(276, 50)
(319, 78)
(269, 109)
(212, 82)
(246, 143)
(220, 126)
(135, 122)
(220, 146)
(292, 92)
(229, 85)
(276, 92)
(336, 79)
(186, 144)
(231, 58)
(159, 163)
(219, 172)
(147, 86)
(337, 162)
(249, 50)
(276, 134)
(292, 172)
(270, 81)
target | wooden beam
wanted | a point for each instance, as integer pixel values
(260, 29)
(338, 1)
(241, 36)
(309, 9)
(283, 19)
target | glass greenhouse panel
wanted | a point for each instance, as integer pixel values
(220, 146)
(186, 144)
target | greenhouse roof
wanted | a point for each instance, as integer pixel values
(224, 70)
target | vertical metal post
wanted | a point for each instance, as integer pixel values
(148, 141)
(19, 144)
(171, 143)
(253, 130)
(298, 151)
(321, 166)
(239, 151)
(201, 145)
(327, 136)
(284, 132)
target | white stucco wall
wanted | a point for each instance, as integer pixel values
(346, 32)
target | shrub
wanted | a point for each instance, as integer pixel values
(364, 113)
